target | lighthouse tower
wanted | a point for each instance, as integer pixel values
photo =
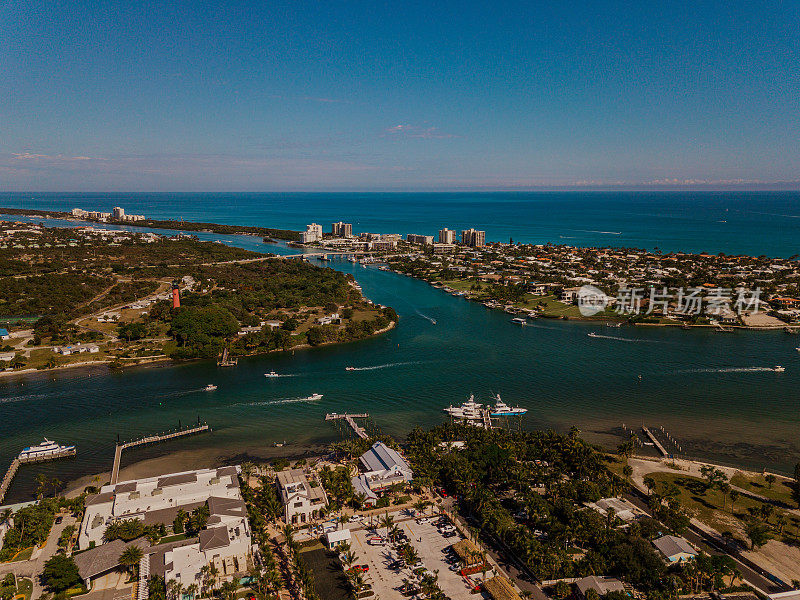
(176, 295)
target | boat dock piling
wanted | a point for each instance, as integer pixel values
(152, 439)
(655, 441)
(349, 418)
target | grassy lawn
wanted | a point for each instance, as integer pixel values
(172, 538)
(710, 507)
(780, 490)
(24, 589)
(41, 356)
(22, 555)
(329, 580)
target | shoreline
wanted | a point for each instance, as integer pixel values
(144, 361)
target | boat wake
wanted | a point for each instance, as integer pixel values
(731, 370)
(424, 316)
(280, 401)
(386, 366)
(613, 337)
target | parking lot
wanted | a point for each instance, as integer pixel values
(387, 577)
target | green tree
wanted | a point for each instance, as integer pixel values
(130, 558)
(60, 573)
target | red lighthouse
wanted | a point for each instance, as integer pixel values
(176, 295)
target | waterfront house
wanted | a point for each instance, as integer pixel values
(302, 503)
(601, 585)
(675, 549)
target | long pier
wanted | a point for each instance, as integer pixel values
(350, 419)
(655, 441)
(9, 477)
(151, 439)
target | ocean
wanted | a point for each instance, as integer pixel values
(715, 394)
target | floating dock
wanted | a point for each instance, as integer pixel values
(151, 439)
(349, 418)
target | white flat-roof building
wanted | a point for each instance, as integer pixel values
(155, 499)
(225, 542)
(301, 502)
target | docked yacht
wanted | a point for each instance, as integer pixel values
(46, 449)
(501, 409)
(470, 410)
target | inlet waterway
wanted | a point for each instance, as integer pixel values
(715, 393)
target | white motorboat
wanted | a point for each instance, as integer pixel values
(271, 374)
(778, 369)
(519, 321)
(349, 368)
(313, 397)
(210, 387)
(45, 449)
(593, 334)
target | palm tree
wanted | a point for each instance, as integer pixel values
(348, 558)
(229, 588)
(386, 521)
(130, 558)
(192, 590)
(174, 590)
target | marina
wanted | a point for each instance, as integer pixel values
(44, 451)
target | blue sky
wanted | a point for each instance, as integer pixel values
(265, 96)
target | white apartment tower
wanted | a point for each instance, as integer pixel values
(446, 236)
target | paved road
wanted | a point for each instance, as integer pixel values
(750, 572)
(33, 568)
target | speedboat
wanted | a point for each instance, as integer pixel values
(315, 397)
(593, 334)
(349, 368)
(519, 321)
(210, 387)
(778, 369)
(271, 374)
(45, 449)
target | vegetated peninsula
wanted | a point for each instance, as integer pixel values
(72, 296)
(278, 234)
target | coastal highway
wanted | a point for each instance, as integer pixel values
(750, 572)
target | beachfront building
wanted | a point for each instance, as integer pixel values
(342, 230)
(443, 248)
(447, 236)
(225, 542)
(423, 240)
(384, 244)
(313, 233)
(473, 238)
(381, 468)
(155, 500)
(301, 502)
(675, 549)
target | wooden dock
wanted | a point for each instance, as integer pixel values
(151, 439)
(14, 467)
(655, 441)
(9, 477)
(350, 419)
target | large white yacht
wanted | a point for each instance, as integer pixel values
(470, 410)
(45, 449)
(501, 409)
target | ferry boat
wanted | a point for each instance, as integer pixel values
(519, 321)
(210, 387)
(46, 449)
(470, 410)
(778, 369)
(271, 374)
(313, 397)
(501, 409)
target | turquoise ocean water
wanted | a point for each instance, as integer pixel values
(713, 393)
